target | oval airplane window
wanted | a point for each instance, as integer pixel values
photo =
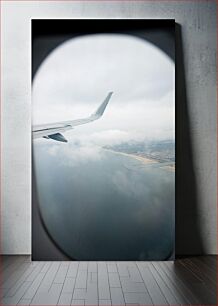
(106, 185)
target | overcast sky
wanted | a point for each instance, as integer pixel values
(76, 77)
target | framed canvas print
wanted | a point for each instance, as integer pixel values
(103, 139)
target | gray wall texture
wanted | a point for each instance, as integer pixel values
(196, 47)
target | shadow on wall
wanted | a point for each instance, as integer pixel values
(188, 232)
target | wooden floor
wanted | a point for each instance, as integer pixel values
(188, 281)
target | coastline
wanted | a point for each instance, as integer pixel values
(144, 160)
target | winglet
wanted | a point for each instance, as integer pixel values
(99, 112)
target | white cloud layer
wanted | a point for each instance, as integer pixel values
(76, 77)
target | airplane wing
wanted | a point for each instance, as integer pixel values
(54, 130)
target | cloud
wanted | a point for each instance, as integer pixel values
(76, 77)
(89, 65)
(106, 137)
(75, 154)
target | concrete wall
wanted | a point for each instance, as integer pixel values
(198, 25)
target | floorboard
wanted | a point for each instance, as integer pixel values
(187, 281)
